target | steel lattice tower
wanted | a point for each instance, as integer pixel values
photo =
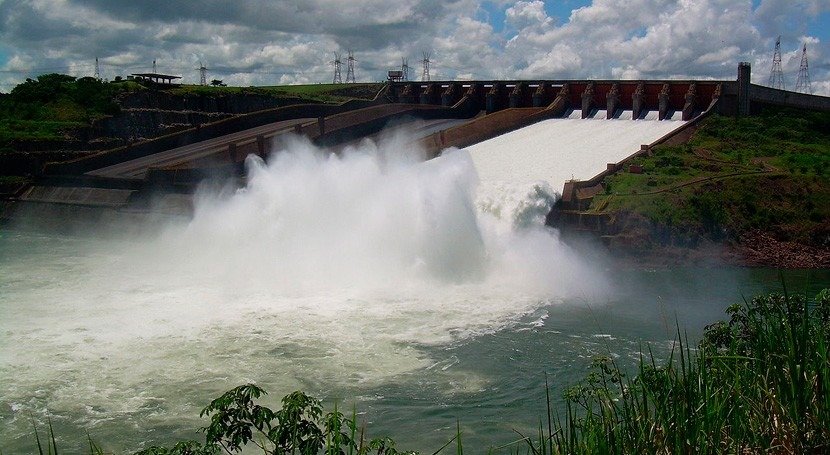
(202, 73)
(350, 69)
(425, 62)
(405, 69)
(802, 84)
(776, 76)
(97, 70)
(154, 66)
(337, 64)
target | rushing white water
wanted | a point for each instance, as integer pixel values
(424, 295)
(557, 150)
(333, 271)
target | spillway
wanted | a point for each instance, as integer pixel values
(557, 150)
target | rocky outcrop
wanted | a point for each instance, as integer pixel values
(135, 124)
(631, 237)
(238, 103)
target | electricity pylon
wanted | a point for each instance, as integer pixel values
(776, 76)
(802, 84)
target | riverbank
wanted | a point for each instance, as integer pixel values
(647, 247)
(751, 191)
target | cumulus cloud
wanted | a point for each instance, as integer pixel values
(292, 41)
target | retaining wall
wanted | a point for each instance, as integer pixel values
(202, 133)
(576, 193)
(481, 129)
(759, 95)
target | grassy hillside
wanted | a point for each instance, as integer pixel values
(48, 107)
(319, 93)
(51, 106)
(769, 173)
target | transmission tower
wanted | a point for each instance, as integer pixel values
(776, 76)
(350, 69)
(202, 73)
(97, 70)
(425, 62)
(404, 69)
(154, 66)
(337, 64)
(802, 84)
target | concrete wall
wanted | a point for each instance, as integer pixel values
(201, 133)
(481, 129)
(760, 96)
(576, 194)
(493, 96)
(326, 131)
(332, 130)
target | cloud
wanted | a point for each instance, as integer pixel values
(524, 15)
(702, 38)
(291, 41)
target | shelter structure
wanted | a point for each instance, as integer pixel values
(156, 77)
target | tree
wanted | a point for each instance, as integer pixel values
(217, 83)
(47, 87)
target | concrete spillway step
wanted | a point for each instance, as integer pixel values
(103, 197)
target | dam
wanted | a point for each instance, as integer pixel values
(168, 169)
(426, 293)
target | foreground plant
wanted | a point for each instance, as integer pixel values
(299, 427)
(757, 383)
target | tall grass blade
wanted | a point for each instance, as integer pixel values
(459, 450)
(37, 438)
(54, 449)
(445, 445)
(547, 401)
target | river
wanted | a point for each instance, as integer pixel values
(373, 279)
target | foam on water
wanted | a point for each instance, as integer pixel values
(328, 271)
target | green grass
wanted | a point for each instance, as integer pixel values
(28, 130)
(759, 383)
(325, 93)
(770, 172)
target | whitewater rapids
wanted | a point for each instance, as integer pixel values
(326, 272)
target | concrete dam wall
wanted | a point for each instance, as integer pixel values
(462, 114)
(614, 97)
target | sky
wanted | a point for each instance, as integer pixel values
(274, 42)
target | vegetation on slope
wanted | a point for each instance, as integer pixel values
(759, 383)
(735, 175)
(53, 104)
(317, 93)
